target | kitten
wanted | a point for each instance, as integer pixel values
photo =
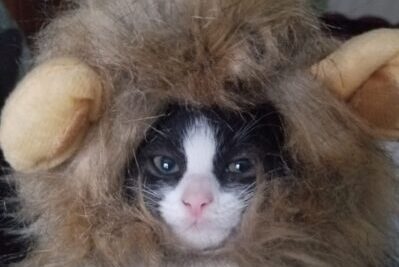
(199, 169)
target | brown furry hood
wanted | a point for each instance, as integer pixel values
(336, 210)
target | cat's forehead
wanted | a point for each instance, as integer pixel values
(200, 145)
(179, 122)
(229, 130)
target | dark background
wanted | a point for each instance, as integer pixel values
(30, 14)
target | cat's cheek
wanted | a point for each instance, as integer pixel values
(172, 210)
(228, 211)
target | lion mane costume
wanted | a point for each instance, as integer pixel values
(104, 71)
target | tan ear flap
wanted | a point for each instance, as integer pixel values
(364, 72)
(47, 116)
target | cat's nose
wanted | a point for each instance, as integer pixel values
(197, 202)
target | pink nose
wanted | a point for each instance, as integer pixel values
(196, 203)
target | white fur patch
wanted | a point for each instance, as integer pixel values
(222, 215)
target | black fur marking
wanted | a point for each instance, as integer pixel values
(256, 135)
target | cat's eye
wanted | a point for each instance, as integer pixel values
(241, 166)
(165, 165)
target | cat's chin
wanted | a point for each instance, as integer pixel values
(202, 237)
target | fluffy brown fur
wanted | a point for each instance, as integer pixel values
(338, 208)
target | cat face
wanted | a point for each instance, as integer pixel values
(199, 169)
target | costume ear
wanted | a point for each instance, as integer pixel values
(46, 117)
(364, 72)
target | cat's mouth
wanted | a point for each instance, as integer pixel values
(200, 225)
(203, 235)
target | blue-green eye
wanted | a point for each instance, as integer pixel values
(165, 165)
(241, 166)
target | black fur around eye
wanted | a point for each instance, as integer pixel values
(165, 165)
(241, 171)
(241, 166)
